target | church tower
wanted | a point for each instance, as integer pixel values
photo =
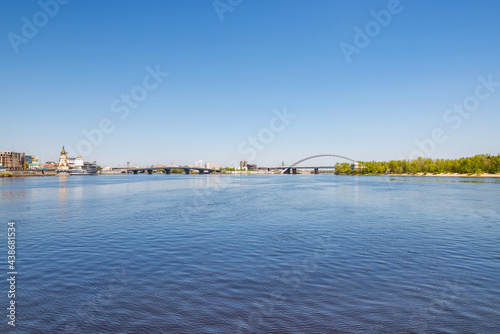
(63, 160)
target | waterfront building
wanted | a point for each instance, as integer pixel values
(63, 159)
(34, 164)
(355, 165)
(212, 165)
(28, 159)
(12, 160)
(243, 164)
(75, 162)
(62, 167)
(79, 161)
(50, 164)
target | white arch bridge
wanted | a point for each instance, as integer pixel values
(292, 169)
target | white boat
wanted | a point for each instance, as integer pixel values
(85, 170)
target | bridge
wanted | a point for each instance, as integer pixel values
(292, 169)
(167, 170)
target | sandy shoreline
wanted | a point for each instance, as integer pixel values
(446, 175)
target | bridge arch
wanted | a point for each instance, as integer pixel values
(318, 156)
(321, 155)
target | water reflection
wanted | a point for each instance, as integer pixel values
(446, 180)
(63, 182)
(13, 188)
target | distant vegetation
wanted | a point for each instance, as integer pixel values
(177, 171)
(478, 164)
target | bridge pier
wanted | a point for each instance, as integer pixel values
(135, 171)
(294, 171)
(167, 171)
(150, 171)
(316, 170)
(187, 170)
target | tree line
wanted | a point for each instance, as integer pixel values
(479, 164)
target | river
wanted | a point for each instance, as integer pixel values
(259, 253)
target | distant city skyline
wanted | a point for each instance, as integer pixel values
(181, 81)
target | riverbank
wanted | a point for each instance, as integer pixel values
(29, 173)
(24, 173)
(444, 175)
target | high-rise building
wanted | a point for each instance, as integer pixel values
(243, 164)
(212, 165)
(12, 160)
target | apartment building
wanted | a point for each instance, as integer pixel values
(12, 160)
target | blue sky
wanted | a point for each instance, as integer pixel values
(227, 78)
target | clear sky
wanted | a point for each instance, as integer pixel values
(364, 79)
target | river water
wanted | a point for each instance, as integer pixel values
(259, 253)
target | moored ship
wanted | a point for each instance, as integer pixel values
(83, 168)
(87, 169)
